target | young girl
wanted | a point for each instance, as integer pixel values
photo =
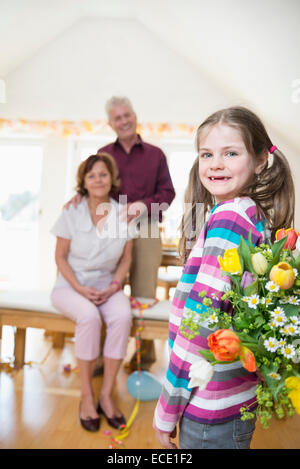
(242, 189)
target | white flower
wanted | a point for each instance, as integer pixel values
(200, 374)
(277, 312)
(293, 300)
(279, 320)
(294, 320)
(295, 272)
(213, 318)
(274, 375)
(284, 300)
(271, 286)
(284, 331)
(271, 344)
(272, 324)
(288, 351)
(291, 329)
(278, 316)
(253, 301)
(268, 301)
(281, 342)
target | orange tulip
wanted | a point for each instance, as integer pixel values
(224, 344)
(248, 359)
(283, 275)
(292, 237)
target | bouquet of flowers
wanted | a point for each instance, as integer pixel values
(264, 330)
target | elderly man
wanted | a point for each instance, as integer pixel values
(146, 182)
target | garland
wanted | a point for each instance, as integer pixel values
(67, 128)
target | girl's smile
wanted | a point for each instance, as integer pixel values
(219, 178)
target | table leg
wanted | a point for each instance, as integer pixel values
(19, 352)
(58, 340)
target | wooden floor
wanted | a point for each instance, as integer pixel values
(39, 404)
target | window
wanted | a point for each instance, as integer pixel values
(82, 149)
(181, 157)
(20, 178)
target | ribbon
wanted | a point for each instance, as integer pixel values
(124, 431)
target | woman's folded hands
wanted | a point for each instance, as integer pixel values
(97, 296)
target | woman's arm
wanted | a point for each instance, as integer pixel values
(119, 276)
(61, 256)
(124, 263)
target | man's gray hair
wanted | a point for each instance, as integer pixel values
(117, 101)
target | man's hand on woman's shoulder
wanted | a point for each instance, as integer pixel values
(76, 199)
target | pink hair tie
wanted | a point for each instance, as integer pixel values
(272, 149)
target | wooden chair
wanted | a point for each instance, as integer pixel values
(168, 278)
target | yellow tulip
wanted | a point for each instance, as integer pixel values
(293, 383)
(259, 263)
(294, 396)
(231, 262)
(283, 275)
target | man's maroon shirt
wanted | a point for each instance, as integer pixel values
(143, 172)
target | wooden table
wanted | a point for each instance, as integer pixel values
(170, 258)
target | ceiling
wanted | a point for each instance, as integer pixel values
(249, 51)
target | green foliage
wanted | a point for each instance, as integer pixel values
(245, 255)
(257, 308)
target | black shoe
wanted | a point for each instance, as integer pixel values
(115, 422)
(91, 425)
(99, 370)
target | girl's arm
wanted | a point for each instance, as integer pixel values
(61, 256)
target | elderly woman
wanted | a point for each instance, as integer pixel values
(93, 256)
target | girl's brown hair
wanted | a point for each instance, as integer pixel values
(87, 165)
(272, 190)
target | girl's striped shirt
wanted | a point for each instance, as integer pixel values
(231, 386)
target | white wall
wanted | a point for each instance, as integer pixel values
(73, 76)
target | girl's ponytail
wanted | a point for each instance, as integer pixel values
(281, 193)
(273, 192)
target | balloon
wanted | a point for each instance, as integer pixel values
(143, 385)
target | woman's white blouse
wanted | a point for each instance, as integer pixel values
(93, 255)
